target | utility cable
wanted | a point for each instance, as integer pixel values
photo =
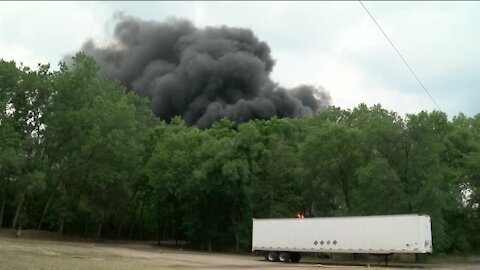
(399, 54)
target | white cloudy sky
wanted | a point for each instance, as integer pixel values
(332, 44)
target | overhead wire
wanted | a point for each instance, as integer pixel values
(399, 54)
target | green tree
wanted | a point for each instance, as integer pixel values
(25, 99)
(270, 147)
(427, 179)
(379, 190)
(171, 165)
(329, 155)
(94, 145)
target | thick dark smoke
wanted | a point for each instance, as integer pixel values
(201, 74)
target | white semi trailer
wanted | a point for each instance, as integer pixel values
(285, 239)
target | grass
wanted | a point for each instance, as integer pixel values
(23, 254)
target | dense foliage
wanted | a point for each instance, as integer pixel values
(81, 155)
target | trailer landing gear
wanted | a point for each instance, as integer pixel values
(295, 257)
(386, 257)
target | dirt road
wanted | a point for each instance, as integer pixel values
(200, 260)
(22, 254)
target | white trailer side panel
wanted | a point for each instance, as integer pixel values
(369, 234)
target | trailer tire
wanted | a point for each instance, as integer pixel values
(295, 257)
(272, 256)
(284, 256)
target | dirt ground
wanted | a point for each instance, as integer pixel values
(23, 254)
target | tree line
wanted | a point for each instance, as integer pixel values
(82, 155)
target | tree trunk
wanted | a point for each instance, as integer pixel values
(19, 231)
(17, 212)
(159, 232)
(142, 219)
(119, 230)
(2, 208)
(405, 177)
(311, 208)
(130, 231)
(21, 220)
(405, 173)
(209, 245)
(45, 210)
(85, 229)
(236, 234)
(173, 234)
(99, 229)
(164, 232)
(272, 197)
(237, 241)
(345, 193)
(61, 223)
(98, 235)
(133, 223)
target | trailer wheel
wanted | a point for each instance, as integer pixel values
(295, 257)
(272, 256)
(284, 257)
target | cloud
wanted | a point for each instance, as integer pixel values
(439, 42)
(357, 64)
(33, 32)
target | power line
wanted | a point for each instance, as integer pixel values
(399, 54)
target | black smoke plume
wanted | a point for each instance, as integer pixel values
(201, 74)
